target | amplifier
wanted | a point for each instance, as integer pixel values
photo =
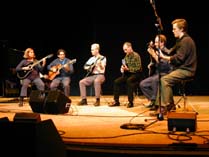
(182, 121)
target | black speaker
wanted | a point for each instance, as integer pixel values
(27, 117)
(57, 102)
(37, 101)
(51, 102)
(182, 121)
(40, 139)
(4, 120)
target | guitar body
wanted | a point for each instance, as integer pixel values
(57, 68)
(23, 73)
(90, 68)
(52, 74)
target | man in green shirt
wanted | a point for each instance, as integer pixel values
(131, 69)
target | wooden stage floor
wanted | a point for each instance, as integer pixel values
(99, 129)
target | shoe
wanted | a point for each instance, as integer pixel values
(154, 108)
(97, 103)
(150, 105)
(82, 102)
(130, 104)
(171, 107)
(116, 103)
(162, 110)
(21, 102)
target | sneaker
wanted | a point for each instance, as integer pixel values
(97, 103)
(83, 102)
(116, 103)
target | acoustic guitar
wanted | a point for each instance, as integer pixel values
(24, 73)
(91, 67)
(58, 67)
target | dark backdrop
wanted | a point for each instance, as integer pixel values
(75, 27)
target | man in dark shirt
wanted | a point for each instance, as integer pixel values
(184, 61)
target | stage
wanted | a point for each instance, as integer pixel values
(90, 129)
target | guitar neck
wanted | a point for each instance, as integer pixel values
(39, 61)
(69, 62)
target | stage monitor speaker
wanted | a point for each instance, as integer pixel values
(182, 121)
(4, 120)
(37, 101)
(25, 138)
(57, 103)
(27, 117)
(50, 102)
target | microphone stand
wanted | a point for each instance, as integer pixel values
(159, 29)
(160, 114)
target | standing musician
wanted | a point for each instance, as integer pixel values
(60, 71)
(31, 75)
(95, 67)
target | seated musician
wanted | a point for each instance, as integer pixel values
(95, 67)
(60, 70)
(149, 86)
(28, 70)
(131, 70)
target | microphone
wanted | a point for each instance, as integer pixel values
(16, 50)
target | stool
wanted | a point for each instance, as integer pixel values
(182, 91)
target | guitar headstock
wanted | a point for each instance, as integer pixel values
(123, 62)
(50, 55)
(73, 61)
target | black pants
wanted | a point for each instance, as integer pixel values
(131, 80)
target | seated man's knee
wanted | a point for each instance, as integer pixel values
(141, 84)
